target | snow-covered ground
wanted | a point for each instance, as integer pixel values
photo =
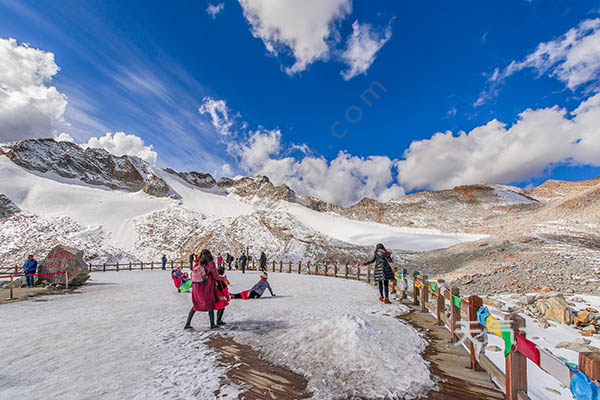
(122, 337)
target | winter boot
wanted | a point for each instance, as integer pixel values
(220, 317)
(211, 317)
(387, 301)
(188, 328)
(381, 299)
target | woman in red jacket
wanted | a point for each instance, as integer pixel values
(204, 289)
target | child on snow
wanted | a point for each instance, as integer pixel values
(186, 283)
(257, 290)
(177, 275)
(222, 295)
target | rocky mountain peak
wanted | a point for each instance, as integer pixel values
(92, 166)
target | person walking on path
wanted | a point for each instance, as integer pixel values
(263, 261)
(383, 271)
(204, 289)
(191, 261)
(243, 261)
(163, 260)
(257, 290)
(30, 267)
(228, 260)
(219, 260)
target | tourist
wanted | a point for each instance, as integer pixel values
(383, 271)
(219, 260)
(204, 288)
(222, 295)
(177, 276)
(263, 261)
(228, 260)
(243, 261)
(163, 260)
(186, 283)
(30, 267)
(257, 290)
(192, 256)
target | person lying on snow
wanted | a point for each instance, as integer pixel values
(186, 283)
(177, 275)
(257, 290)
(383, 271)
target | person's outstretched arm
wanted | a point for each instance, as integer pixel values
(371, 261)
(270, 290)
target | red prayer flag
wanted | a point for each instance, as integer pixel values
(527, 348)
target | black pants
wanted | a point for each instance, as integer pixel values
(384, 285)
(252, 295)
(211, 317)
(243, 268)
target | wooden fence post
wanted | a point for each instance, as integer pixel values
(151, 264)
(280, 266)
(346, 275)
(117, 267)
(289, 267)
(475, 303)
(415, 290)
(90, 267)
(454, 314)
(326, 269)
(16, 269)
(368, 275)
(141, 266)
(171, 264)
(104, 268)
(425, 293)
(515, 363)
(404, 283)
(299, 267)
(440, 306)
(358, 272)
(589, 364)
(335, 270)
(130, 265)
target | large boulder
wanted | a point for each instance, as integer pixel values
(556, 308)
(64, 259)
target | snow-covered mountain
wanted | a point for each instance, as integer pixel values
(121, 208)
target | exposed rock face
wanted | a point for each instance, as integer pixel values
(552, 189)
(92, 166)
(197, 179)
(65, 259)
(7, 207)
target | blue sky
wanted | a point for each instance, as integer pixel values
(146, 68)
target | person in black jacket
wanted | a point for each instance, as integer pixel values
(383, 271)
(263, 261)
(243, 260)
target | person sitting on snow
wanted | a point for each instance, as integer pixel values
(257, 290)
(177, 275)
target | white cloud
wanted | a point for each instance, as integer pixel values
(64, 137)
(214, 9)
(305, 28)
(343, 180)
(362, 47)
(219, 114)
(28, 106)
(573, 58)
(493, 153)
(123, 144)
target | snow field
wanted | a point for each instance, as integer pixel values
(122, 337)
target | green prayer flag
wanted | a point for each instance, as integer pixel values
(456, 301)
(509, 338)
(433, 286)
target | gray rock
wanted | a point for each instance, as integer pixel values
(65, 259)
